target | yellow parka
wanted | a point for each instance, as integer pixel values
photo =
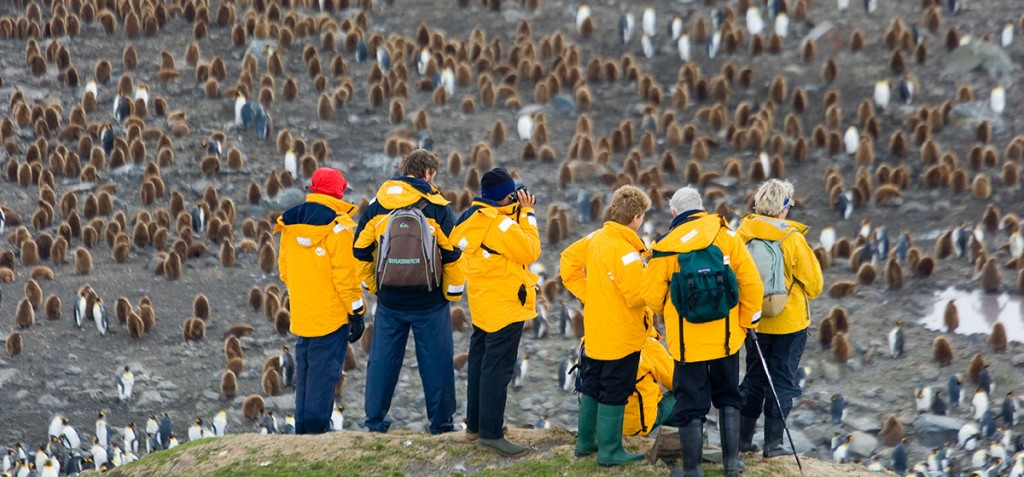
(704, 341)
(395, 194)
(802, 270)
(498, 245)
(317, 266)
(604, 270)
(654, 373)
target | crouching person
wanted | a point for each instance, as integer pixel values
(322, 276)
(650, 406)
(499, 240)
(703, 280)
(604, 270)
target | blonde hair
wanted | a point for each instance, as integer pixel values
(628, 202)
(774, 196)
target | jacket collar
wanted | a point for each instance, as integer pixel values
(626, 233)
(337, 205)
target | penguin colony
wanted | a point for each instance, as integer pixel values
(878, 139)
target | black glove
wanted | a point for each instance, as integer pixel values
(355, 327)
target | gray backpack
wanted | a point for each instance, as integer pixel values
(408, 256)
(767, 255)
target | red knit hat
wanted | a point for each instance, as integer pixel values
(328, 181)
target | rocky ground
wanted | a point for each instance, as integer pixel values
(71, 372)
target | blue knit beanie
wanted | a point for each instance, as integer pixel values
(497, 184)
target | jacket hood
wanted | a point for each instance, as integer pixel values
(768, 228)
(405, 191)
(343, 211)
(478, 220)
(692, 235)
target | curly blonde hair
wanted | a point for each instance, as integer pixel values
(774, 196)
(628, 202)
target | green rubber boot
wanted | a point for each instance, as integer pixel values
(609, 437)
(586, 440)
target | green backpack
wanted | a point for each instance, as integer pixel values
(704, 289)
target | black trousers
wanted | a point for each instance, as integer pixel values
(609, 382)
(698, 385)
(782, 352)
(492, 362)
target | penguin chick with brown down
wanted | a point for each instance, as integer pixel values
(841, 350)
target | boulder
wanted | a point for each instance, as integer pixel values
(933, 431)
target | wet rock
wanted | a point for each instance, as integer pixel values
(1017, 359)
(933, 431)
(149, 398)
(211, 395)
(863, 423)
(863, 444)
(286, 199)
(50, 401)
(873, 392)
(831, 371)
(284, 402)
(6, 375)
(979, 55)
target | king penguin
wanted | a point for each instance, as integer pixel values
(838, 408)
(99, 313)
(338, 418)
(102, 430)
(80, 309)
(953, 389)
(287, 368)
(220, 424)
(166, 431)
(125, 384)
(896, 340)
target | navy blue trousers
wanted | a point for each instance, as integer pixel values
(782, 353)
(432, 332)
(492, 362)
(318, 363)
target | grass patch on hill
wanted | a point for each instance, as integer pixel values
(415, 454)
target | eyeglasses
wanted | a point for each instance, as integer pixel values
(787, 203)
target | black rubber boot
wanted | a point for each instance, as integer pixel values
(773, 445)
(729, 428)
(747, 427)
(691, 439)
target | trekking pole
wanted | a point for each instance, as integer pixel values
(764, 364)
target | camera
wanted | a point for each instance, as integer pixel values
(515, 193)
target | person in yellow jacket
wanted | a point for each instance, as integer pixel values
(499, 240)
(706, 353)
(782, 337)
(322, 276)
(400, 310)
(649, 406)
(606, 272)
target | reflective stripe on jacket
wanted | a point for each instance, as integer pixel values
(704, 341)
(395, 194)
(498, 245)
(605, 271)
(317, 266)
